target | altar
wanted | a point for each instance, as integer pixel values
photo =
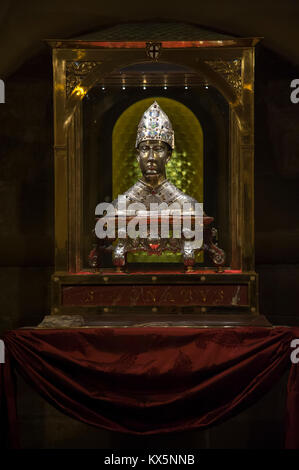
(148, 335)
(147, 381)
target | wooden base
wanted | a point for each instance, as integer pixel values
(164, 292)
(184, 320)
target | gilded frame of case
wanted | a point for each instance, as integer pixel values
(228, 65)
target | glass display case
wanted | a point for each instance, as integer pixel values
(101, 90)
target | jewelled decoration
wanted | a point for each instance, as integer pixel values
(155, 125)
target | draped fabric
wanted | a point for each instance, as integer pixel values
(150, 380)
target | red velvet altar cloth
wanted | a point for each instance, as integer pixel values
(150, 380)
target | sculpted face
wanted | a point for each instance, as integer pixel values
(152, 156)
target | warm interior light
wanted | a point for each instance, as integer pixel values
(79, 91)
(185, 168)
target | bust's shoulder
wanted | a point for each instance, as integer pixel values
(174, 194)
(133, 194)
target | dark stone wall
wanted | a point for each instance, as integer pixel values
(276, 188)
(26, 194)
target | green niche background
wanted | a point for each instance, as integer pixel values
(184, 170)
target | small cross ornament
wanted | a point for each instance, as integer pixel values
(153, 50)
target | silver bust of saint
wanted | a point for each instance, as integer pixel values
(154, 146)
